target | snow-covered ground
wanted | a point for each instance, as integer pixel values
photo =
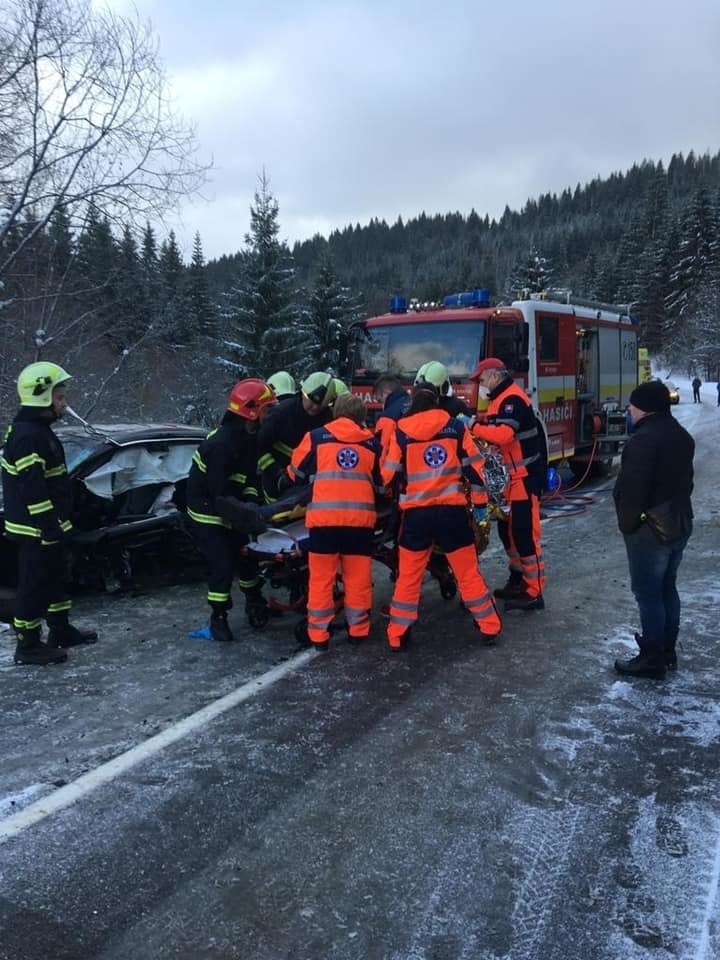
(521, 802)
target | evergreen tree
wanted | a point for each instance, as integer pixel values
(532, 273)
(96, 294)
(130, 311)
(202, 317)
(174, 322)
(694, 279)
(332, 311)
(262, 323)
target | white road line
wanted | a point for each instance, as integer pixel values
(72, 792)
(710, 908)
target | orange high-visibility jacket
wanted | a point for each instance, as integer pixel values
(432, 452)
(512, 427)
(341, 461)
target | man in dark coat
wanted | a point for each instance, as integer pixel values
(654, 511)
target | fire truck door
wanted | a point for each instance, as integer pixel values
(586, 381)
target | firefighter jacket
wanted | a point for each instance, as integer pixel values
(432, 453)
(225, 464)
(341, 461)
(280, 432)
(656, 469)
(512, 427)
(455, 406)
(36, 486)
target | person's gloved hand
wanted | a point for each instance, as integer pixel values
(480, 514)
(55, 534)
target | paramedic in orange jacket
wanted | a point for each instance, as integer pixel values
(431, 452)
(512, 427)
(341, 461)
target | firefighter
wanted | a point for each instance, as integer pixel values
(432, 453)
(282, 385)
(341, 461)
(38, 507)
(437, 374)
(512, 427)
(285, 427)
(223, 476)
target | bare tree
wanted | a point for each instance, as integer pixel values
(85, 119)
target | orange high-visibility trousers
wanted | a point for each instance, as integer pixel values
(357, 584)
(520, 535)
(471, 584)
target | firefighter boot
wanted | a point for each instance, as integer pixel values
(523, 601)
(63, 634)
(513, 586)
(257, 610)
(31, 650)
(220, 628)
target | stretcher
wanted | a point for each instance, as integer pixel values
(282, 553)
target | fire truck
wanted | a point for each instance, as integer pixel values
(577, 362)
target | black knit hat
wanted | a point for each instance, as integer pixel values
(651, 397)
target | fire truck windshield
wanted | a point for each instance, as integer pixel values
(403, 348)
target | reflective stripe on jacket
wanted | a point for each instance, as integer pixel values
(511, 426)
(432, 452)
(37, 489)
(341, 461)
(224, 464)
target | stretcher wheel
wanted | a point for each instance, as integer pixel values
(258, 615)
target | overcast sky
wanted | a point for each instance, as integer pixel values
(360, 108)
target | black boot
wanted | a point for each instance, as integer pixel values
(669, 650)
(512, 588)
(63, 634)
(523, 601)
(650, 662)
(220, 628)
(31, 650)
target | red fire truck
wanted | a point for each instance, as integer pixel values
(578, 362)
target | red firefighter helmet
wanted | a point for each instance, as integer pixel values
(248, 398)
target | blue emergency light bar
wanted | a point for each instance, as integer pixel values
(475, 298)
(398, 305)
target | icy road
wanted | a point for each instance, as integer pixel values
(168, 797)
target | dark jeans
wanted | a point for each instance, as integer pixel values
(653, 574)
